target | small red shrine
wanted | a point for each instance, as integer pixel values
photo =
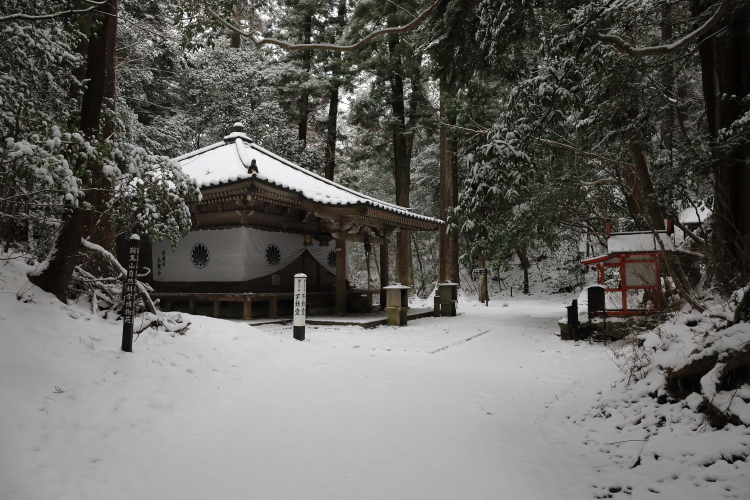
(635, 258)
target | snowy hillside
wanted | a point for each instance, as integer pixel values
(489, 404)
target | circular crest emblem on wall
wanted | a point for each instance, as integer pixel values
(331, 259)
(273, 255)
(199, 255)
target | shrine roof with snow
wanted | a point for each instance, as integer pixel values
(238, 158)
(639, 242)
(633, 243)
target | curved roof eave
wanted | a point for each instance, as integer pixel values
(240, 174)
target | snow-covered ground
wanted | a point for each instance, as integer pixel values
(486, 405)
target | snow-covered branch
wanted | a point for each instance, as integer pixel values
(107, 255)
(656, 50)
(260, 41)
(30, 17)
(142, 287)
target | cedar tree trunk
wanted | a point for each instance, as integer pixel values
(333, 104)
(640, 196)
(235, 39)
(521, 252)
(304, 100)
(482, 288)
(724, 55)
(402, 164)
(448, 269)
(100, 64)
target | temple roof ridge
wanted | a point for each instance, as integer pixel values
(237, 158)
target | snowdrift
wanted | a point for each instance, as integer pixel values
(69, 391)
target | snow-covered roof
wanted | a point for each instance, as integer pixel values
(597, 259)
(237, 157)
(638, 242)
(635, 242)
(693, 216)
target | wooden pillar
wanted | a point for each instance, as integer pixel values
(217, 306)
(340, 276)
(191, 305)
(247, 310)
(273, 307)
(383, 272)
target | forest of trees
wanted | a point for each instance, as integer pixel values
(526, 125)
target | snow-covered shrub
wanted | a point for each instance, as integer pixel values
(38, 151)
(45, 161)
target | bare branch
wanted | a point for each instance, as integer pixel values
(679, 280)
(401, 8)
(624, 46)
(602, 181)
(32, 193)
(25, 217)
(475, 131)
(53, 15)
(582, 152)
(691, 234)
(150, 306)
(259, 41)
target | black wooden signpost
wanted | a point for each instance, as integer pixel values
(129, 294)
(300, 305)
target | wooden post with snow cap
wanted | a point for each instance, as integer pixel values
(129, 294)
(300, 303)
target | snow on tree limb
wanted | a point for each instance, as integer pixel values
(29, 17)
(106, 254)
(656, 50)
(259, 41)
(142, 287)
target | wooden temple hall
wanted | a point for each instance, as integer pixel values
(261, 220)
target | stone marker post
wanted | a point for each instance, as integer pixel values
(300, 305)
(397, 304)
(129, 294)
(448, 298)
